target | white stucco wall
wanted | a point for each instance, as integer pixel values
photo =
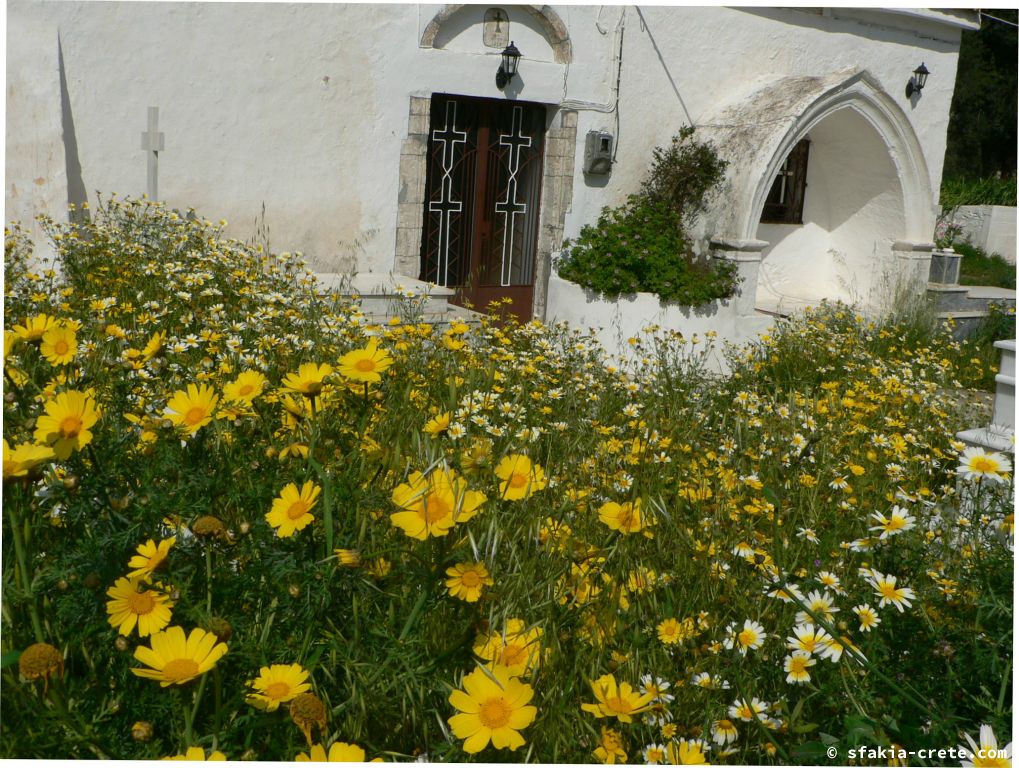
(614, 323)
(303, 107)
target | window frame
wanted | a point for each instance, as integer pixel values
(782, 208)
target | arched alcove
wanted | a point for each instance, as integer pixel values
(867, 187)
(547, 20)
(853, 211)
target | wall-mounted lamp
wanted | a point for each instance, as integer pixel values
(508, 68)
(917, 81)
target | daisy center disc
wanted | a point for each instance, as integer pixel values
(70, 426)
(277, 690)
(517, 480)
(747, 637)
(434, 509)
(617, 704)
(365, 365)
(495, 713)
(246, 390)
(983, 464)
(298, 509)
(513, 655)
(179, 670)
(194, 416)
(61, 347)
(470, 579)
(141, 603)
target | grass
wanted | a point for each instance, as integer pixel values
(979, 268)
(987, 191)
(634, 523)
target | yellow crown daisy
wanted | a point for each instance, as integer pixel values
(610, 747)
(133, 602)
(23, 458)
(520, 477)
(516, 647)
(245, 388)
(618, 700)
(153, 345)
(492, 707)
(309, 379)
(34, 327)
(192, 409)
(366, 366)
(278, 684)
(151, 557)
(339, 752)
(466, 580)
(65, 426)
(625, 518)
(176, 658)
(687, 752)
(197, 755)
(59, 345)
(432, 505)
(291, 510)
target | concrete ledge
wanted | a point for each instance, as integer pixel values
(989, 438)
(380, 284)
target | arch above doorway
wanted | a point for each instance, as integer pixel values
(551, 24)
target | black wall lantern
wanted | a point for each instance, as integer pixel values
(918, 81)
(508, 68)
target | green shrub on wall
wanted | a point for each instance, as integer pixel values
(643, 245)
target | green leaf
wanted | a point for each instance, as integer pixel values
(813, 752)
(11, 657)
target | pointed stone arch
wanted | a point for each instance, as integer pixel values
(862, 94)
(551, 23)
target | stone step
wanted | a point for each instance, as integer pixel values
(966, 322)
(388, 294)
(968, 298)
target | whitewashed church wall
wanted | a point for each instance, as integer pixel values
(304, 107)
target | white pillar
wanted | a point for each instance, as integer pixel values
(747, 256)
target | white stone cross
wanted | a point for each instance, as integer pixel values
(152, 142)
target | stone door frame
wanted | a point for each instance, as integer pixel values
(556, 193)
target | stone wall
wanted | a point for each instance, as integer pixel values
(990, 227)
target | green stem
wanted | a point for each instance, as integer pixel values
(189, 715)
(26, 581)
(208, 580)
(218, 689)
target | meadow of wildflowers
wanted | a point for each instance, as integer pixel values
(240, 521)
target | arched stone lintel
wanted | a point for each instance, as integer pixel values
(864, 95)
(556, 33)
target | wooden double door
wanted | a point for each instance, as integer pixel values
(480, 230)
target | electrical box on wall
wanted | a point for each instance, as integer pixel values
(598, 152)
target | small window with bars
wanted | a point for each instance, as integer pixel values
(785, 200)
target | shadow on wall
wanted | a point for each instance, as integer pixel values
(76, 194)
